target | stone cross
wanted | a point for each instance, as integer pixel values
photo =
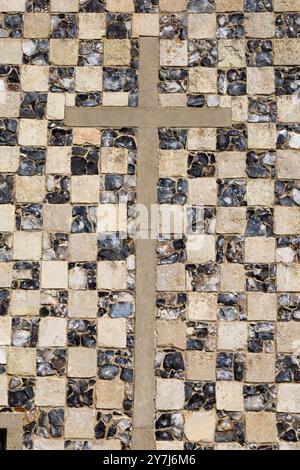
(147, 118)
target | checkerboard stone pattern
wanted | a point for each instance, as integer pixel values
(227, 314)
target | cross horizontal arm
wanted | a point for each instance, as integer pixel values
(147, 117)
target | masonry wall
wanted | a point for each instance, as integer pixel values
(227, 314)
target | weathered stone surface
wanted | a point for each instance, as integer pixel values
(261, 427)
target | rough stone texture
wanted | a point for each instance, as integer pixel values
(227, 308)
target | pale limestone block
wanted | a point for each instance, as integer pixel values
(112, 332)
(27, 245)
(50, 391)
(239, 106)
(288, 108)
(126, 6)
(202, 139)
(5, 274)
(35, 77)
(232, 335)
(172, 163)
(261, 306)
(260, 250)
(202, 306)
(112, 275)
(80, 422)
(115, 98)
(169, 445)
(229, 396)
(83, 246)
(171, 277)
(260, 25)
(200, 365)
(229, 446)
(199, 426)
(117, 52)
(174, 5)
(92, 25)
(260, 368)
(7, 218)
(286, 5)
(286, 220)
(9, 162)
(145, 24)
(88, 78)
(52, 332)
(82, 362)
(229, 5)
(231, 220)
(260, 81)
(232, 277)
(56, 106)
(58, 160)
(63, 51)
(201, 248)
(83, 304)
(288, 164)
(289, 445)
(111, 218)
(173, 53)
(260, 192)
(262, 136)
(288, 277)
(85, 136)
(12, 5)
(114, 160)
(288, 398)
(105, 444)
(5, 331)
(261, 427)
(171, 333)
(9, 103)
(54, 275)
(33, 132)
(36, 25)
(202, 26)
(203, 191)
(169, 394)
(85, 189)
(288, 337)
(30, 188)
(40, 443)
(224, 101)
(202, 79)
(231, 165)
(57, 217)
(232, 53)
(10, 51)
(110, 394)
(286, 52)
(3, 390)
(21, 361)
(25, 302)
(70, 6)
(172, 99)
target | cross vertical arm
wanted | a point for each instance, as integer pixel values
(147, 176)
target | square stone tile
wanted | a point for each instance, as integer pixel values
(82, 362)
(169, 394)
(112, 332)
(52, 332)
(110, 394)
